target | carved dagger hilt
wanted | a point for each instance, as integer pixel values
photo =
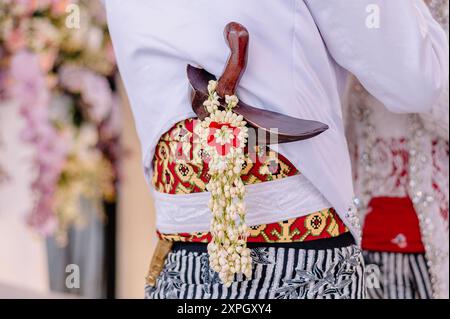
(237, 38)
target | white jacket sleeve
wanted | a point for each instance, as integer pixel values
(395, 48)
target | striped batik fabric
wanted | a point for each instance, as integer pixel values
(397, 276)
(283, 273)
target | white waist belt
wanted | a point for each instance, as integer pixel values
(266, 202)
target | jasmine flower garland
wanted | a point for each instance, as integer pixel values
(223, 136)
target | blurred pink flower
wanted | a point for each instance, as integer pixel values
(58, 7)
(42, 218)
(70, 78)
(47, 59)
(94, 89)
(30, 90)
(51, 153)
(23, 7)
(26, 7)
(28, 81)
(96, 92)
(15, 39)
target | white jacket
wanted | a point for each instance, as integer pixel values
(299, 54)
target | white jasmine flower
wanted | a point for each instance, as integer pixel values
(212, 85)
(231, 100)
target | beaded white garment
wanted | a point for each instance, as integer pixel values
(400, 155)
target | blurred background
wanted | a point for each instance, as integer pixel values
(76, 217)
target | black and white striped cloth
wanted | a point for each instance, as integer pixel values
(397, 276)
(278, 272)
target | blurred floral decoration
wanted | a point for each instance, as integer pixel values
(57, 63)
(4, 177)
